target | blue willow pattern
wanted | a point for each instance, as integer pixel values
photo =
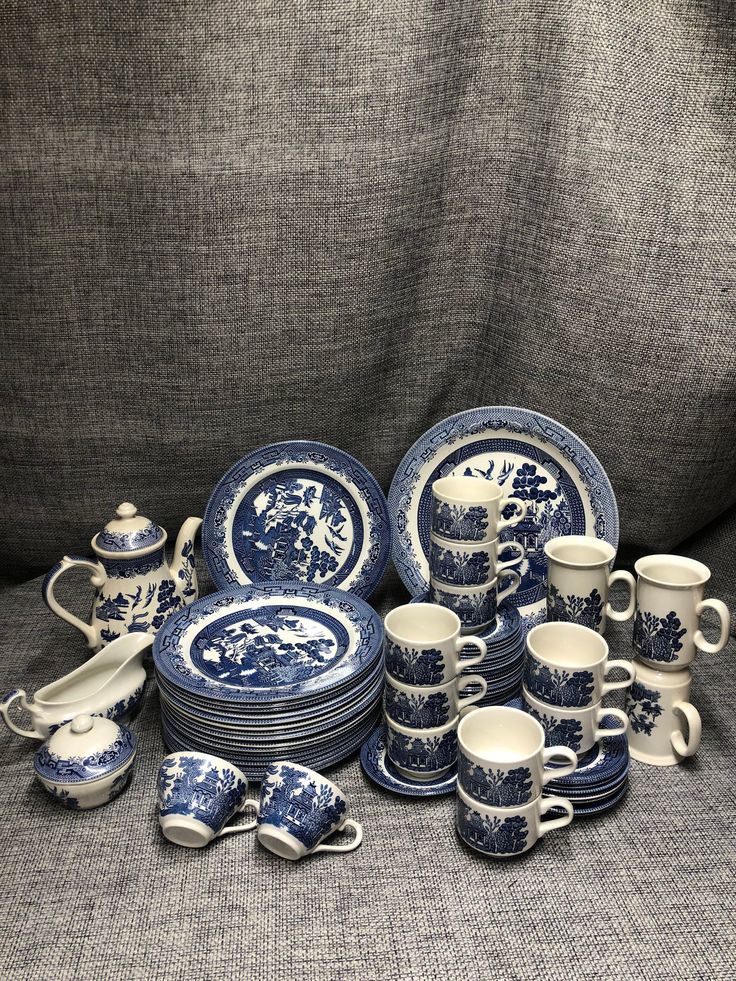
(496, 788)
(643, 708)
(658, 638)
(489, 833)
(417, 711)
(472, 609)
(585, 610)
(572, 689)
(75, 769)
(457, 568)
(423, 755)
(412, 666)
(458, 523)
(562, 732)
(194, 788)
(292, 800)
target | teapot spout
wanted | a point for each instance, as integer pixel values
(183, 567)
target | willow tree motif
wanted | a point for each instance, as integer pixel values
(459, 523)
(643, 708)
(417, 711)
(658, 638)
(585, 610)
(422, 755)
(492, 834)
(559, 732)
(414, 666)
(497, 788)
(557, 686)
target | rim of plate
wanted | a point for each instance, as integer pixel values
(370, 573)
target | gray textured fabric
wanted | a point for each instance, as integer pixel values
(645, 892)
(229, 223)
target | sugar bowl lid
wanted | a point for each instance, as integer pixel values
(128, 532)
(85, 749)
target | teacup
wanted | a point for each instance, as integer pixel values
(298, 809)
(578, 581)
(197, 795)
(501, 757)
(658, 707)
(422, 754)
(469, 509)
(461, 565)
(428, 708)
(567, 664)
(578, 728)
(669, 604)
(476, 607)
(502, 832)
(423, 645)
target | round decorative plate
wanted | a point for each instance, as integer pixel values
(298, 512)
(534, 459)
(270, 642)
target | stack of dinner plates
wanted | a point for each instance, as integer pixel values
(271, 671)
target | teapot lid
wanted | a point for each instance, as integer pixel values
(85, 749)
(128, 532)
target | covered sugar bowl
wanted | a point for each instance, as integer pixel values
(86, 762)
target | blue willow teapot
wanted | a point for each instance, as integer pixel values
(135, 588)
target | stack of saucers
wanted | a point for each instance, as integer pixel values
(279, 670)
(503, 665)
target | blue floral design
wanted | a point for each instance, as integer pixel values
(585, 610)
(459, 523)
(64, 798)
(643, 708)
(572, 689)
(472, 609)
(497, 787)
(458, 568)
(423, 666)
(658, 638)
(559, 732)
(76, 769)
(197, 789)
(422, 754)
(293, 800)
(491, 834)
(417, 711)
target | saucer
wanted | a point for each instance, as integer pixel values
(381, 771)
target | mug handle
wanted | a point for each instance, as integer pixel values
(471, 679)
(241, 827)
(515, 560)
(97, 579)
(468, 662)
(547, 804)
(723, 615)
(521, 505)
(694, 724)
(617, 714)
(515, 578)
(351, 845)
(626, 666)
(563, 771)
(5, 712)
(622, 576)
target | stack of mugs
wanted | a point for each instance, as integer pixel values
(464, 548)
(422, 695)
(664, 725)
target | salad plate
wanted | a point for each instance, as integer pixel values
(535, 459)
(297, 511)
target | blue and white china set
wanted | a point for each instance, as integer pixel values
(489, 684)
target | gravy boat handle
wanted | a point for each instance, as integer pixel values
(4, 711)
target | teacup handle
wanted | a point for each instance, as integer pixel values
(351, 845)
(468, 662)
(521, 505)
(241, 827)
(515, 578)
(515, 560)
(723, 615)
(97, 579)
(622, 576)
(617, 714)
(562, 771)
(626, 666)
(4, 711)
(694, 725)
(547, 804)
(471, 679)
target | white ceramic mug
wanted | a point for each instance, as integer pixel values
(501, 757)
(578, 581)
(427, 708)
(422, 754)
(502, 832)
(461, 565)
(423, 644)
(469, 509)
(476, 606)
(578, 728)
(567, 665)
(659, 709)
(669, 604)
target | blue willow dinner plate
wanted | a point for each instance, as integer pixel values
(300, 512)
(534, 459)
(270, 642)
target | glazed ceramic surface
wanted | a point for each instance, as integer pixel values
(502, 832)
(470, 509)
(579, 580)
(86, 762)
(110, 684)
(422, 754)
(475, 606)
(135, 589)
(427, 708)
(301, 512)
(664, 727)
(578, 728)
(669, 605)
(501, 757)
(532, 458)
(567, 664)
(423, 645)
(460, 565)
(299, 808)
(379, 768)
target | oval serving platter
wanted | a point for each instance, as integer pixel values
(297, 511)
(530, 456)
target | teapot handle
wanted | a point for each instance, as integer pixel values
(97, 579)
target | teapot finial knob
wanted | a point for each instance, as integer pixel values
(127, 510)
(82, 723)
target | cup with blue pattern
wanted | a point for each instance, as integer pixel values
(578, 728)
(197, 795)
(506, 832)
(472, 509)
(459, 564)
(475, 606)
(298, 809)
(425, 755)
(423, 644)
(432, 706)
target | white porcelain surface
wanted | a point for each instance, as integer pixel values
(463, 492)
(578, 728)
(664, 727)
(423, 644)
(504, 832)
